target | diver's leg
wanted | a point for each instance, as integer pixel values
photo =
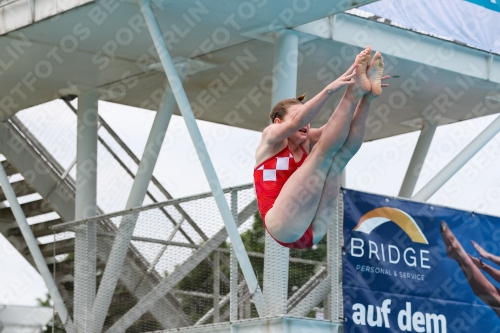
(328, 201)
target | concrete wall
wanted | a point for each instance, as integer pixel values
(15, 14)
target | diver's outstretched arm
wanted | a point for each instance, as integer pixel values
(493, 272)
(486, 255)
(479, 284)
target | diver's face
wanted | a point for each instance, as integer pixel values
(300, 136)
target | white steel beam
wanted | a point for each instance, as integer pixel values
(417, 159)
(276, 256)
(216, 286)
(222, 302)
(331, 264)
(306, 288)
(333, 267)
(244, 306)
(153, 146)
(133, 272)
(334, 236)
(312, 299)
(338, 295)
(135, 199)
(41, 265)
(233, 266)
(413, 46)
(201, 150)
(458, 162)
(85, 207)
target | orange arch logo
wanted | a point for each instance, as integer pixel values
(378, 216)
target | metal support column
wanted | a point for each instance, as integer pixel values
(85, 207)
(333, 301)
(135, 199)
(276, 256)
(417, 159)
(459, 161)
(204, 157)
(331, 265)
(37, 255)
(216, 286)
(233, 266)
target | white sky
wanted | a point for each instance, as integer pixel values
(378, 167)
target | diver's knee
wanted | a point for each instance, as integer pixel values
(283, 235)
(319, 229)
(281, 231)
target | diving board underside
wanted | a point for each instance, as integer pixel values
(228, 79)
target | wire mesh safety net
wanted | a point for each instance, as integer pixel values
(170, 238)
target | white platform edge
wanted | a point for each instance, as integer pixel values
(279, 324)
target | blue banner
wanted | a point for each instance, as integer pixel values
(490, 4)
(414, 267)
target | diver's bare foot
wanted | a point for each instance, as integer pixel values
(477, 261)
(454, 249)
(362, 83)
(375, 74)
(480, 250)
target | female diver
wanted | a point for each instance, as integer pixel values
(298, 204)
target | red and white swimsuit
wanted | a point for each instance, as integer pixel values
(269, 178)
